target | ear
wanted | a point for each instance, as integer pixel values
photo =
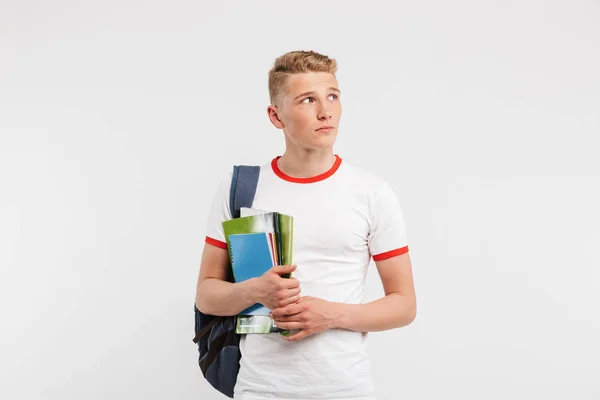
(272, 112)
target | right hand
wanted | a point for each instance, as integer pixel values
(273, 291)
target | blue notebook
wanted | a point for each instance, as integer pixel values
(251, 256)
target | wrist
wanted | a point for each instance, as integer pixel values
(253, 292)
(340, 316)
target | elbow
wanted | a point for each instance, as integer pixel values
(411, 314)
(205, 307)
(201, 306)
(405, 319)
(407, 315)
(201, 303)
(207, 303)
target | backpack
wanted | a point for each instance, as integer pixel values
(218, 344)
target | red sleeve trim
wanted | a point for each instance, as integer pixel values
(216, 242)
(391, 253)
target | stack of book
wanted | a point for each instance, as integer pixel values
(256, 241)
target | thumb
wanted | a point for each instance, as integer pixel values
(283, 269)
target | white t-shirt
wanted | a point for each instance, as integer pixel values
(342, 218)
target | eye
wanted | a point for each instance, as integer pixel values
(335, 96)
(308, 98)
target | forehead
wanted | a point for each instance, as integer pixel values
(310, 81)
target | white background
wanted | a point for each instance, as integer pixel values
(118, 119)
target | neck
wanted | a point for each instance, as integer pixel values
(306, 164)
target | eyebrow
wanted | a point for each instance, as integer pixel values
(312, 92)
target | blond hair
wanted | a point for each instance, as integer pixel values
(295, 62)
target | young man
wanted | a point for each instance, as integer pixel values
(343, 216)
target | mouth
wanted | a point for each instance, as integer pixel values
(326, 128)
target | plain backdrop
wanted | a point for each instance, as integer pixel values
(119, 118)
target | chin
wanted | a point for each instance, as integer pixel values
(315, 142)
(324, 143)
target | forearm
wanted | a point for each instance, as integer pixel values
(389, 312)
(217, 297)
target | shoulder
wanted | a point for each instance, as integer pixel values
(225, 178)
(365, 182)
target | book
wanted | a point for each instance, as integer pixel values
(252, 254)
(286, 230)
(276, 239)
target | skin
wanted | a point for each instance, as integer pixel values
(308, 102)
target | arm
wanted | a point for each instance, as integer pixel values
(396, 309)
(387, 243)
(216, 296)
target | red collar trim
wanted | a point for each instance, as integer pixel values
(312, 179)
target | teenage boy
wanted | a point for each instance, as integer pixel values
(343, 217)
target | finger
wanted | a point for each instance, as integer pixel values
(306, 298)
(290, 300)
(297, 336)
(292, 309)
(288, 325)
(287, 318)
(290, 283)
(292, 292)
(283, 269)
(287, 296)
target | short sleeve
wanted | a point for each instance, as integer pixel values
(387, 231)
(219, 212)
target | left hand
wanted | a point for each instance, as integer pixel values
(310, 315)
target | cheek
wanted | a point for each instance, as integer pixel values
(301, 121)
(338, 110)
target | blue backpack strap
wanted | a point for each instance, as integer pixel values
(243, 188)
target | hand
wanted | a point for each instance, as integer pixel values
(273, 291)
(310, 315)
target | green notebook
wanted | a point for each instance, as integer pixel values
(257, 221)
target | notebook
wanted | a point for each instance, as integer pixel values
(256, 241)
(253, 254)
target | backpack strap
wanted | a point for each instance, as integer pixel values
(243, 188)
(206, 328)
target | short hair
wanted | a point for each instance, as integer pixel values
(295, 62)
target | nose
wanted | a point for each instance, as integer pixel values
(324, 113)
